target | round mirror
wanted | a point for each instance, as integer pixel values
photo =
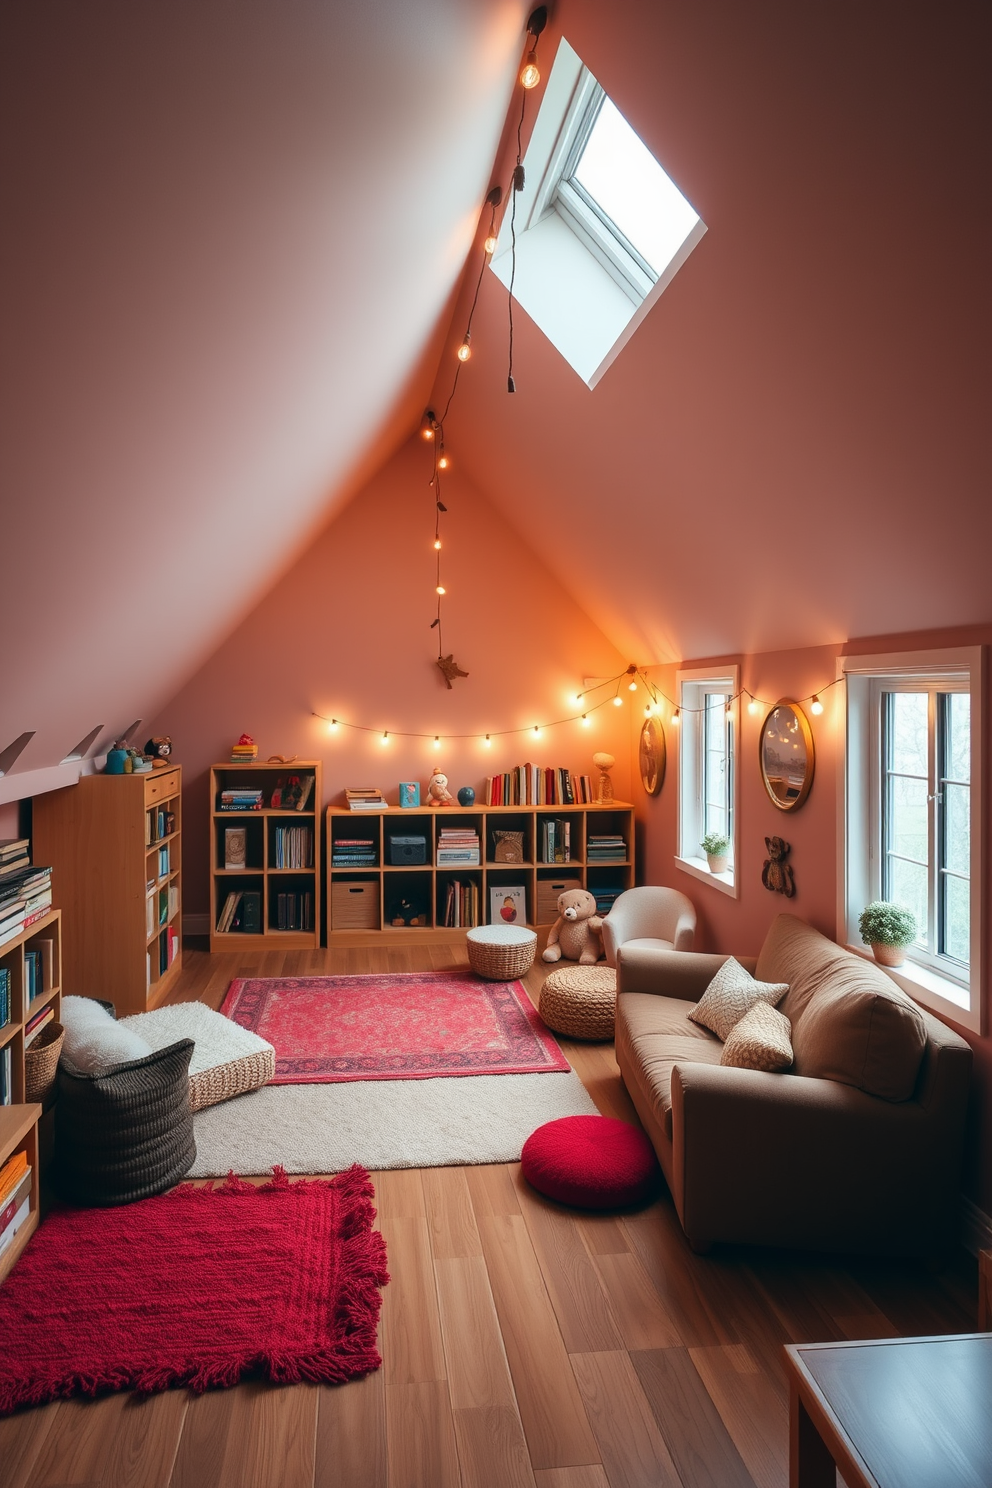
(652, 755)
(785, 751)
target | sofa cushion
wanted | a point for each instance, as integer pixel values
(794, 952)
(94, 1041)
(760, 1041)
(861, 1034)
(659, 1035)
(731, 994)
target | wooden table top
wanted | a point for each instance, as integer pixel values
(917, 1412)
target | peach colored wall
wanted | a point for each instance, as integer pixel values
(347, 633)
(9, 817)
(739, 925)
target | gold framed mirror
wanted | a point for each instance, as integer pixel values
(785, 755)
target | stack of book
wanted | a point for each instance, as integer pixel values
(556, 841)
(294, 847)
(606, 896)
(537, 785)
(25, 896)
(34, 1025)
(13, 854)
(353, 852)
(457, 846)
(15, 1197)
(294, 911)
(606, 847)
(240, 800)
(245, 752)
(365, 798)
(461, 905)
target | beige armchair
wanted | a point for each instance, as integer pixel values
(650, 919)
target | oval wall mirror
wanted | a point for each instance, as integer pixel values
(652, 755)
(785, 752)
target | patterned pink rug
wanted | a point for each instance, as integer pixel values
(412, 1026)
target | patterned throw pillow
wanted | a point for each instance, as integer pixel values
(760, 1041)
(732, 993)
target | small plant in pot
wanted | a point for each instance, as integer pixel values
(888, 929)
(716, 847)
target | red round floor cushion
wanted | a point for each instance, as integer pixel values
(591, 1162)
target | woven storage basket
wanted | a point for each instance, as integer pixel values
(236, 1077)
(580, 1001)
(501, 953)
(41, 1062)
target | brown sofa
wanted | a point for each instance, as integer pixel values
(857, 1148)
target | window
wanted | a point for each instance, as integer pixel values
(912, 788)
(600, 227)
(707, 771)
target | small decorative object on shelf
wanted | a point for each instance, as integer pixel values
(438, 793)
(716, 847)
(776, 875)
(245, 752)
(508, 904)
(466, 796)
(159, 750)
(116, 758)
(409, 793)
(235, 847)
(404, 911)
(604, 764)
(508, 847)
(888, 929)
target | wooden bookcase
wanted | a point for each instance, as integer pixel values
(115, 846)
(261, 873)
(19, 1122)
(360, 899)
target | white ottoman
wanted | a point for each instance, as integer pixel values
(228, 1060)
(501, 952)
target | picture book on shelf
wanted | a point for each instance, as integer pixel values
(507, 904)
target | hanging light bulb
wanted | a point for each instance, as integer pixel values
(465, 350)
(488, 742)
(754, 706)
(430, 423)
(385, 738)
(647, 710)
(618, 701)
(586, 720)
(816, 706)
(536, 732)
(437, 543)
(530, 73)
(441, 589)
(490, 244)
(676, 717)
(332, 727)
(730, 707)
(443, 463)
(437, 741)
(577, 700)
(632, 686)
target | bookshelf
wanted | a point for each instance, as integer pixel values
(281, 860)
(19, 1122)
(362, 897)
(115, 846)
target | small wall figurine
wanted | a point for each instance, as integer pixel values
(776, 875)
(438, 793)
(577, 933)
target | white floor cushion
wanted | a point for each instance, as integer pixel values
(227, 1060)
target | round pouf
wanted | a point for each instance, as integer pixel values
(591, 1162)
(580, 1001)
(501, 952)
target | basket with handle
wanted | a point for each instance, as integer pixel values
(41, 1060)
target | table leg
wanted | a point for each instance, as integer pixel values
(810, 1462)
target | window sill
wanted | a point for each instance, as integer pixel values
(937, 994)
(698, 868)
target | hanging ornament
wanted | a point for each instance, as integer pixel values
(449, 668)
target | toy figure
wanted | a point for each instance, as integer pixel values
(776, 875)
(577, 932)
(438, 793)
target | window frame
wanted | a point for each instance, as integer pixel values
(692, 687)
(930, 978)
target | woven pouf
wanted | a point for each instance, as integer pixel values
(501, 952)
(591, 1162)
(580, 1001)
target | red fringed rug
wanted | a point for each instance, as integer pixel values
(199, 1287)
(412, 1026)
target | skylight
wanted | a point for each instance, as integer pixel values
(601, 227)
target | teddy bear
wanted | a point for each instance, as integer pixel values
(438, 793)
(776, 875)
(577, 932)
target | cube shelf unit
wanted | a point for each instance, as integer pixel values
(260, 873)
(361, 898)
(19, 1122)
(115, 846)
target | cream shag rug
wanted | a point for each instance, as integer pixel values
(382, 1123)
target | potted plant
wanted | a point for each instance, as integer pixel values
(888, 929)
(716, 848)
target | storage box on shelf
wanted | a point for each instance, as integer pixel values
(115, 845)
(382, 883)
(265, 858)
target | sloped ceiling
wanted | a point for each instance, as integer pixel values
(230, 233)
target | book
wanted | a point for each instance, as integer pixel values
(10, 1173)
(13, 847)
(507, 904)
(10, 1233)
(37, 1023)
(10, 1205)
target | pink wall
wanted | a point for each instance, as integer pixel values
(9, 816)
(739, 925)
(347, 633)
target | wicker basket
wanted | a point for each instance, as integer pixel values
(236, 1077)
(41, 1060)
(500, 953)
(580, 1001)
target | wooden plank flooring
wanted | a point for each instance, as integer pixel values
(524, 1345)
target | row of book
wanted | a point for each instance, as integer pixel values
(294, 911)
(161, 907)
(6, 1076)
(37, 969)
(294, 847)
(606, 847)
(166, 953)
(14, 854)
(461, 905)
(353, 852)
(538, 785)
(365, 798)
(159, 823)
(556, 841)
(458, 847)
(25, 896)
(4, 995)
(241, 913)
(242, 799)
(606, 895)
(34, 1025)
(15, 1197)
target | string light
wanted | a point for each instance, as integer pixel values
(530, 73)
(730, 707)
(815, 706)
(754, 706)
(385, 738)
(586, 720)
(676, 717)
(536, 731)
(443, 462)
(465, 350)
(437, 544)
(618, 701)
(437, 742)
(332, 727)
(488, 742)
(441, 589)
(490, 244)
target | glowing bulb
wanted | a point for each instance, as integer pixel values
(577, 699)
(443, 463)
(816, 706)
(332, 727)
(437, 543)
(676, 719)
(618, 701)
(437, 742)
(385, 738)
(465, 350)
(490, 244)
(427, 433)
(536, 732)
(530, 74)
(632, 687)
(754, 706)
(647, 710)
(586, 720)
(488, 742)
(441, 589)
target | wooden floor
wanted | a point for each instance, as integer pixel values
(524, 1345)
